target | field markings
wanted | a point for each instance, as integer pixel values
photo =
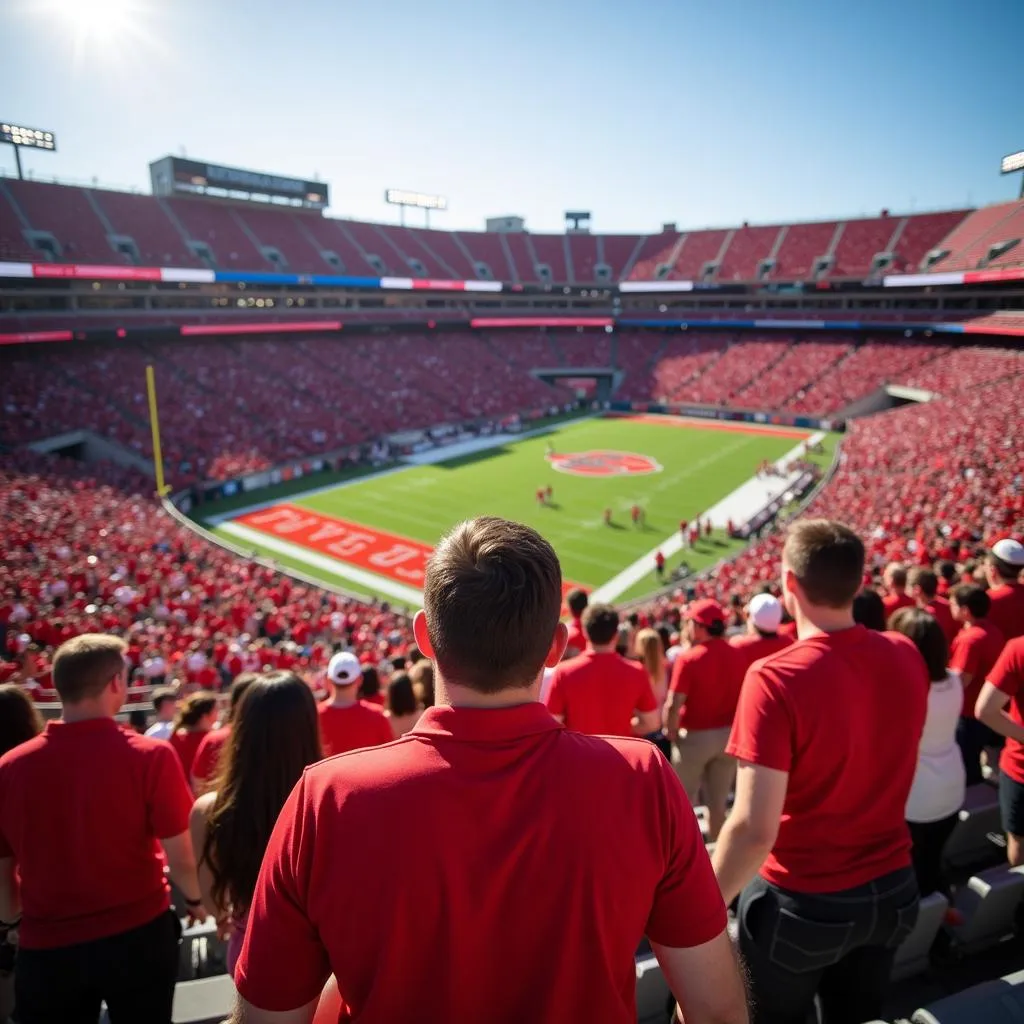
(673, 544)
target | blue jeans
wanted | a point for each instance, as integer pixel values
(839, 946)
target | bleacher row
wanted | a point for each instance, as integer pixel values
(231, 407)
(46, 222)
(987, 902)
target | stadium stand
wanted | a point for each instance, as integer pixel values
(788, 379)
(82, 221)
(744, 361)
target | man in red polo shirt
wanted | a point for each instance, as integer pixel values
(1003, 567)
(600, 692)
(346, 722)
(705, 686)
(204, 764)
(84, 810)
(896, 596)
(923, 587)
(576, 601)
(1005, 686)
(764, 617)
(519, 825)
(817, 848)
(973, 653)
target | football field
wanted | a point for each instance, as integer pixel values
(372, 534)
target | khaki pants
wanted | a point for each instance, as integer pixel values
(702, 759)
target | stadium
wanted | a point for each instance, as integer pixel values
(236, 427)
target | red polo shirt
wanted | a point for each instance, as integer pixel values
(894, 602)
(709, 675)
(751, 647)
(577, 638)
(843, 714)
(597, 693)
(204, 764)
(81, 809)
(1007, 676)
(938, 608)
(360, 725)
(501, 806)
(974, 650)
(1007, 611)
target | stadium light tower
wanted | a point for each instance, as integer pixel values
(1014, 164)
(402, 198)
(18, 135)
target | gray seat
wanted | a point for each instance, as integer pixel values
(969, 843)
(201, 953)
(988, 903)
(912, 955)
(652, 991)
(994, 1002)
(203, 1001)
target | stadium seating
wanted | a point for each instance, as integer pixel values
(988, 904)
(859, 242)
(67, 214)
(148, 224)
(921, 234)
(683, 359)
(1000, 1001)
(748, 248)
(969, 242)
(219, 226)
(743, 362)
(787, 380)
(969, 845)
(802, 245)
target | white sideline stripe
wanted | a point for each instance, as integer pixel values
(717, 514)
(373, 582)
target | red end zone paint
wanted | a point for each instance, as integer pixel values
(604, 462)
(398, 558)
(667, 420)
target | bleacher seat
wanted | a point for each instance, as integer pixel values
(652, 991)
(912, 956)
(988, 903)
(969, 843)
(995, 1002)
(201, 953)
(204, 1001)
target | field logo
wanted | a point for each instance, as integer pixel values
(604, 463)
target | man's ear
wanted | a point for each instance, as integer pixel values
(558, 643)
(422, 634)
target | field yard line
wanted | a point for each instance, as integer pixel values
(495, 442)
(674, 542)
(373, 582)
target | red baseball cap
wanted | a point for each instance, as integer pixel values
(705, 612)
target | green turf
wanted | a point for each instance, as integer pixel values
(701, 466)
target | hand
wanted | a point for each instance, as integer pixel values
(672, 734)
(196, 914)
(224, 928)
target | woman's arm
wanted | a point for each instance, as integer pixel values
(197, 826)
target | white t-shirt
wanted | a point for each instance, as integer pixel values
(160, 730)
(939, 781)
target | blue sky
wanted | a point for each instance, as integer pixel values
(703, 113)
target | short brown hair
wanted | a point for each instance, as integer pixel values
(422, 676)
(84, 665)
(972, 597)
(923, 577)
(492, 597)
(927, 634)
(828, 560)
(600, 623)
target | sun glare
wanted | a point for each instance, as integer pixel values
(99, 22)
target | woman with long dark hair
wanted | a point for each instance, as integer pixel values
(403, 710)
(274, 735)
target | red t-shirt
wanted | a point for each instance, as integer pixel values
(597, 693)
(205, 762)
(974, 650)
(709, 675)
(843, 714)
(788, 630)
(501, 806)
(939, 609)
(894, 602)
(1007, 611)
(185, 744)
(577, 638)
(360, 725)
(751, 647)
(1007, 676)
(81, 809)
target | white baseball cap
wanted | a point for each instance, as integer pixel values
(765, 613)
(344, 669)
(1010, 551)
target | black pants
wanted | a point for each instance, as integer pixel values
(973, 737)
(134, 972)
(839, 946)
(929, 839)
